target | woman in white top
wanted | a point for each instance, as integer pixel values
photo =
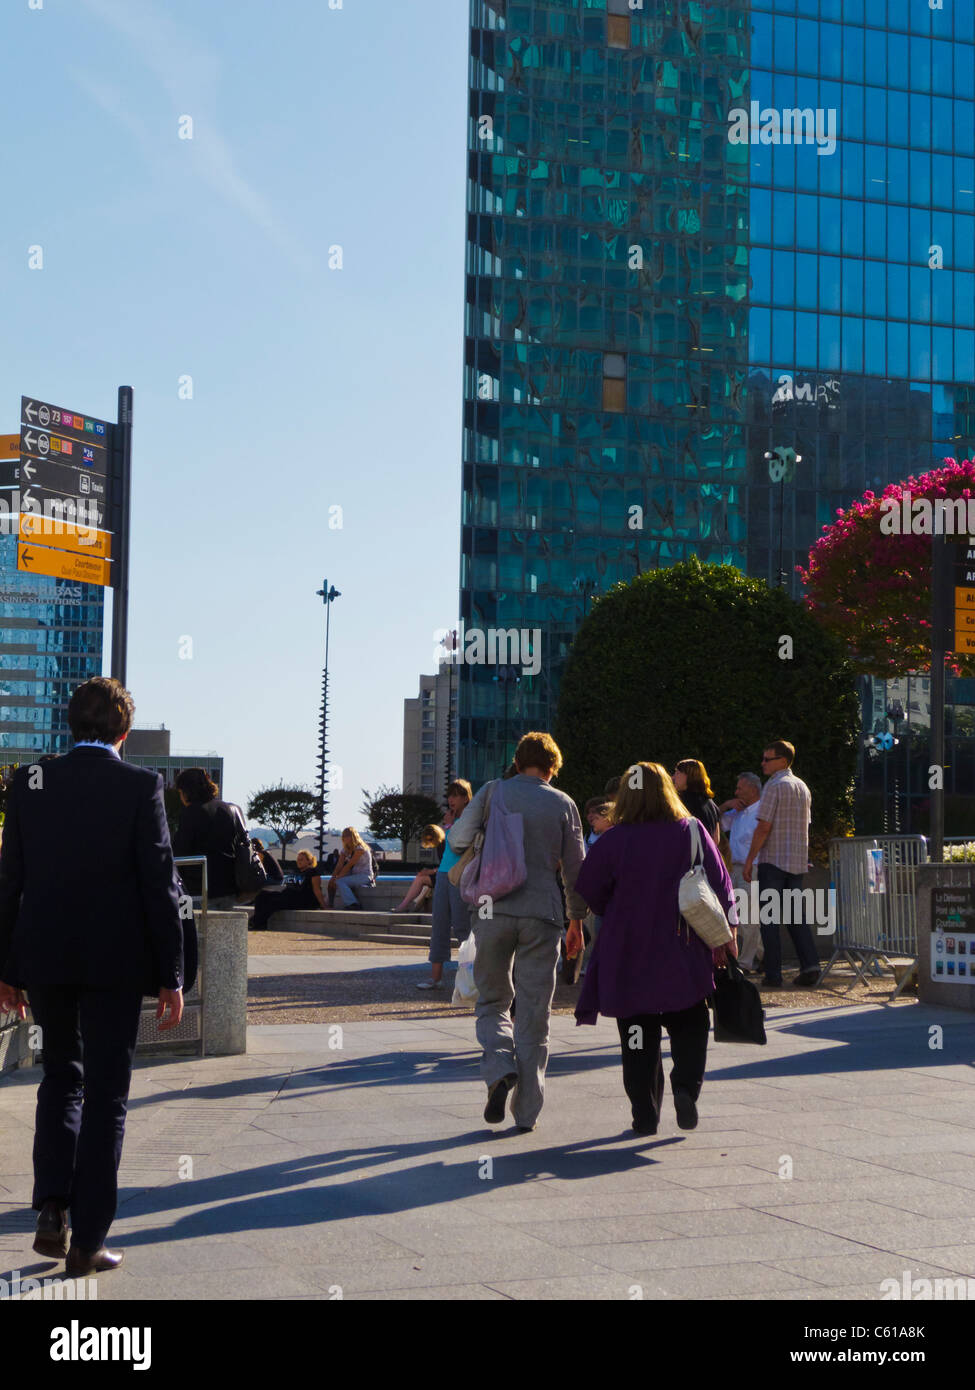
(354, 870)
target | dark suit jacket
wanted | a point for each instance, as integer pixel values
(88, 892)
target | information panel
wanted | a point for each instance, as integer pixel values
(953, 935)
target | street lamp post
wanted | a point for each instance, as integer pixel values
(450, 642)
(327, 595)
(507, 675)
(781, 461)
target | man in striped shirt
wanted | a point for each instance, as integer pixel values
(780, 849)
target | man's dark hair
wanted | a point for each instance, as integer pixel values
(612, 786)
(782, 749)
(196, 786)
(100, 711)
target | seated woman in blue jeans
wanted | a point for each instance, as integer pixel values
(354, 870)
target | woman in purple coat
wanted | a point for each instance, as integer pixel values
(648, 968)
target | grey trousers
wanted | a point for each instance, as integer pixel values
(750, 948)
(451, 917)
(516, 955)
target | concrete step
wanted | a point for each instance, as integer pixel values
(341, 922)
(394, 939)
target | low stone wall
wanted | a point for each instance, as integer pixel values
(14, 1049)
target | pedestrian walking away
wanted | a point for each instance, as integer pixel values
(649, 970)
(519, 942)
(83, 946)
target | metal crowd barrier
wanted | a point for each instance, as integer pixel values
(876, 903)
(192, 1026)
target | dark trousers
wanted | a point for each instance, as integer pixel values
(769, 876)
(88, 1042)
(269, 901)
(643, 1070)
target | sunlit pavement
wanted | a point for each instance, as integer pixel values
(353, 1161)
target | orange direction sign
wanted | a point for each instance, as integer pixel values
(85, 569)
(62, 535)
(9, 446)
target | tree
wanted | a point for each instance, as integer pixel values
(869, 577)
(395, 815)
(287, 810)
(702, 662)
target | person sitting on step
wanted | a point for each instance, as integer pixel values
(433, 837)
(354, 870)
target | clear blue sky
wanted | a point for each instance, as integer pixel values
(312, 387)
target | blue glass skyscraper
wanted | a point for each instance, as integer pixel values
(699, 234)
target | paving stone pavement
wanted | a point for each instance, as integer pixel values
(356, 1164)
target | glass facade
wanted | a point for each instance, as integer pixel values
(699, 235)
(50, 641)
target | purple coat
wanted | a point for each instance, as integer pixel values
(646, 959)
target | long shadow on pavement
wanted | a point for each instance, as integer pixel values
(252, 1200)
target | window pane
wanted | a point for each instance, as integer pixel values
(783, 278)
(852, 345)
(829, 341)
(897, 291)
(852, 227)
(760, 269)
(829, 282)
(806, 340)
(852, 287)
(921, 278)
(807, 289)
(897, 349)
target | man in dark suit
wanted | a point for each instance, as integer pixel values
(89, 924)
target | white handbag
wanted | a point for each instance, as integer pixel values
(698, 902)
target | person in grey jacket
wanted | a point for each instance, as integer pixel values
(519, 935)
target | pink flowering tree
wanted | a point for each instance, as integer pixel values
(869, 576)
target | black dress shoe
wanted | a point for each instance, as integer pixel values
(498, 1098)
(526, 1129)
(80, 1263)
(686, 1110)
(806, 979)
(51, 1238)
(644, 1130)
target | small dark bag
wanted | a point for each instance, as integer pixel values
(249, 872)
(738, 1013)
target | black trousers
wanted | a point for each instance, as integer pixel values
(643, 1070)
(269, 901)
(88, 1043)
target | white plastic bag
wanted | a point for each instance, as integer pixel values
(465, 991)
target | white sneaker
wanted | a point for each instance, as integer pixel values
(430, 984)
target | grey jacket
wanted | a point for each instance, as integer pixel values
(553, 836)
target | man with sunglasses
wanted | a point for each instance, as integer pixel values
(780, 849)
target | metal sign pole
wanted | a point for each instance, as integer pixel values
(942, 608)
(121, 487)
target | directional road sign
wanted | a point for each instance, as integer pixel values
(9, 446)
(61, 564)
(961, 551)
(63, 448)
(81, 540)
(64, 422)
(47, 476)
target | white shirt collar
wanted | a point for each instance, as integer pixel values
(94, 743)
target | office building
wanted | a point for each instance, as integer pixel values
(699, 234)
